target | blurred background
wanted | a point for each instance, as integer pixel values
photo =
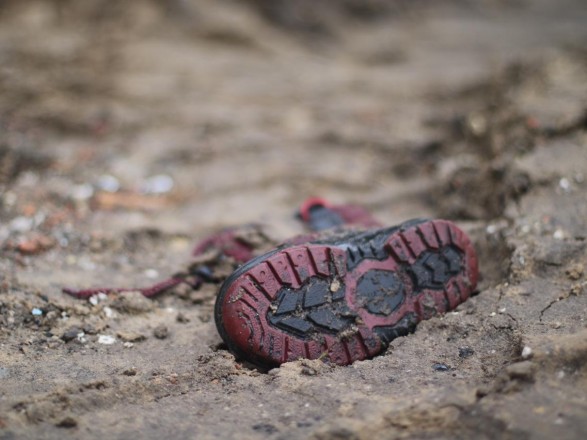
(190, 115)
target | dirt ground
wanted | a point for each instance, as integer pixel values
(128, 130)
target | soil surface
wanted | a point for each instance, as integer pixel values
(129, 130)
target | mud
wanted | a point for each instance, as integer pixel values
(130, 130)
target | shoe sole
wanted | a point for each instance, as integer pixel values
(344, 301)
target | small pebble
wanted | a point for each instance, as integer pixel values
(159, 184)
(161, 332)
(465, 352)
(82, 192)
(70, 334)
(131, 336)
(151, 273)
(35, 245)
(182, 318)
(95, 299)
(335, 285)
(575, 272)
(132, 371)
(265, 428)
(526, 352)
(491, 229)
(440, 367)
(89, 329)
(108, 183)
(21, 224)
(106, 339)
(128, 344)
(36, 312)
(67, 422)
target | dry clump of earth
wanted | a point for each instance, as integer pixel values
(130, 130)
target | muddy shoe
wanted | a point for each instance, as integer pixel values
(345, 297)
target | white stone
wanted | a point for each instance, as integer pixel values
(21, 224)
(526, 352)
(151, 273)
(108, 183)
(82, 192)
(159, 184)
(106, 339)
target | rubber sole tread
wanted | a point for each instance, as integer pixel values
(345, 298)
